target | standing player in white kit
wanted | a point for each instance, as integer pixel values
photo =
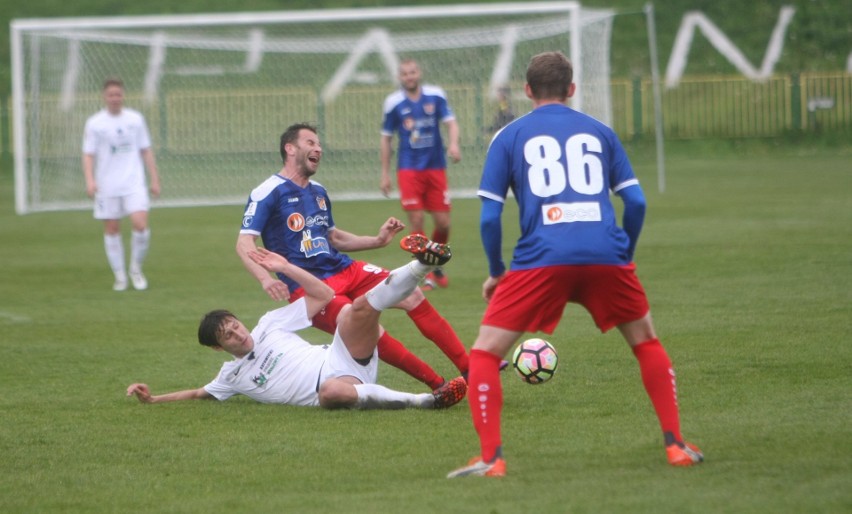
(116, 152)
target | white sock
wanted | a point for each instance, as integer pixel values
(400, 283)
(114, 247)
(374, 396)
(139, 248)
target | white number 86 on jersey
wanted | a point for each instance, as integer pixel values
(547, 175)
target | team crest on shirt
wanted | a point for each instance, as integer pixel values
(295, 222)
(429, 109)
(313, 246)
(321, 203)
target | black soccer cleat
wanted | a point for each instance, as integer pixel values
(426, 251)
(450, 393)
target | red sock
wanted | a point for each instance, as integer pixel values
(394, 353)
(658, 376)
(440, 236)
(436, 329)
(485, 397)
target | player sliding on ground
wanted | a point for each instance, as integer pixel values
(272, 364)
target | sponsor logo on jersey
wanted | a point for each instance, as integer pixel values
(316, 221)
(554, 214)
(295, 222)
(247, 221)
(274, 363)
(295, 199)
(321, 203)
(313, 246)
(570, 212)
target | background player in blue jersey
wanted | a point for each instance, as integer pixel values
(416, 112)
(292, 214)
(272, 364)
(561, 166)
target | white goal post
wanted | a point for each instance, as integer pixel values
(218, 90)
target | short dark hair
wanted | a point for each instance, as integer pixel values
(113, 81)
(211, 326)
(292, 134)
(409, 60)
(549, 75)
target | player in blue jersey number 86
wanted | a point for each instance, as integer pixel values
(562, 165)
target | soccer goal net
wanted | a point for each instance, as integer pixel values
(218, 90)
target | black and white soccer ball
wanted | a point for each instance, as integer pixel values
(535, 361)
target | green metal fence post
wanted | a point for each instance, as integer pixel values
(5, 140)
(796, 101)
(637, 108)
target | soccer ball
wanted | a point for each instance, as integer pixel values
(535, 361)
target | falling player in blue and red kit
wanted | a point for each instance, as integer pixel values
(561, 165)
(416, 112)
(292, 214)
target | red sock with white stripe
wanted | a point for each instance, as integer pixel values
(658, 376)
(485, 397)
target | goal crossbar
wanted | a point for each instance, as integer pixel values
(200, 78)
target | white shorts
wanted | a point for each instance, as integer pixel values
(117, 207)
(339, 363)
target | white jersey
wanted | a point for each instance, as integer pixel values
(116, 142)
(283, 367)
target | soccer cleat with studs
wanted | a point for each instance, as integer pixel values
(450, 393)
(426, 251)
(684, 454)
(120, 284)
(479, 468)
(140, 283)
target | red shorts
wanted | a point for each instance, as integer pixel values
(423, 190)
(533, 300)
(349, 284)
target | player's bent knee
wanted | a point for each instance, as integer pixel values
(337, 394)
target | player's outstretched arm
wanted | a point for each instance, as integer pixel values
(317, 292)
(143, 394)
(347, 242)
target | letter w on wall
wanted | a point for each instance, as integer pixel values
(697, 19)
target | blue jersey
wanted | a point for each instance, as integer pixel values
(561, 165)
(419, 126)
(294, 222)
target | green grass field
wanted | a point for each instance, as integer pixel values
(747, 260)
